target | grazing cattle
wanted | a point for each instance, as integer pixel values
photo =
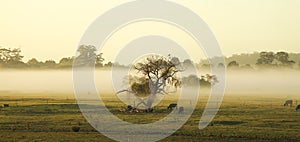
(181, 110)
(298, 108)
(129, 108)
(288, 102)
(172, 106)
(133, 110)
(149, 110)
(5, 105)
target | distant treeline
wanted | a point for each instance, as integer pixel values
(12, 58)
(260, 60)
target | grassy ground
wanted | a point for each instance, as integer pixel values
(239, 119)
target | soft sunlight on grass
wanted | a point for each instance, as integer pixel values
(240, 118)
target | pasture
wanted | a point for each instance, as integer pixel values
(241, 118)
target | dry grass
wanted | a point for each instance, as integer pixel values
(248, 118)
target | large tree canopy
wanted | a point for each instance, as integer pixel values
(10, 55)
(155, 75)
(160, 72)
(280, 59)
(88, 56)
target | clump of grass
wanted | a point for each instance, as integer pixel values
(75, 128)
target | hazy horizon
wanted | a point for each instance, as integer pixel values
(240, 83)
(52, 29)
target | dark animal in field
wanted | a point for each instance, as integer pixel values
(298, 108)
(5, 105)
(288, 102)
(181, 110)
(129, 107)
(149, 110)
(172, 106)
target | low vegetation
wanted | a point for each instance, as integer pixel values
(240, 118)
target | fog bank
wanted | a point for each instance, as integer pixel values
(284, 83)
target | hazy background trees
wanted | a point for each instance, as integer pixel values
(11, 58)
(233, 64)
(271, 59)
(204, 81)
(259, 60)
(87, 55)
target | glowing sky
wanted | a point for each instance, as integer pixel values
(52, 29)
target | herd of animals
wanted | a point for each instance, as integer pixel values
(173, 106)
(181, 109)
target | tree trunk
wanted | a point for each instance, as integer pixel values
(150, 102)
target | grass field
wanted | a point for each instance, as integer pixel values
(247, 118)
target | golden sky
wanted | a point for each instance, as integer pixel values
(52, 29)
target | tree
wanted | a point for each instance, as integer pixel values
(233, 64)
(140, 85)
(87, 56)
(15, 56)
(11, 57)
(205, 80)
(187, 63)
(283, 58)
(50, 63)
(99, 60)
(34, 63)
(280, 59)
(109, 64)
(66, 62)
(154, 75)
(266, 58)
(191, 80)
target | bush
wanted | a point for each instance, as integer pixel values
(75, 128)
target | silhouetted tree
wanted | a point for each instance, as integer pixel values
(205, 80)
(66, 62)
(280, 59)
(88, 57)
(191, 80)
(11, 57)
(109, 64)
(155, 75)
(34, 63)
(187, 63)
(233, 64)
(50, 64)
(266, 58)
(283, 58)
(140, 85)
(99, 60)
